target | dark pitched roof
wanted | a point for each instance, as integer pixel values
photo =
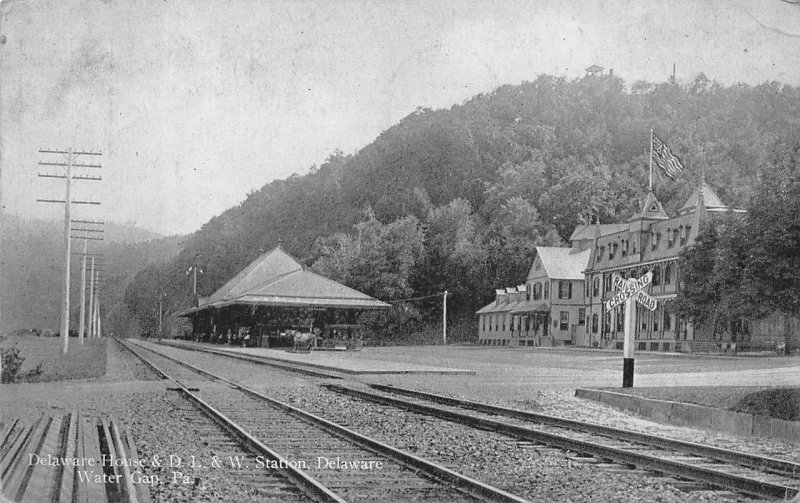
(711, 200)
(587, 231)
(277, 279)
(651, 210)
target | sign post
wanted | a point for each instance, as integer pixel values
(629, 290)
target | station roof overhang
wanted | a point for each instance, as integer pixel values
(277, 279)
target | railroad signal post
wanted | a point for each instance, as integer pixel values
(630, 290)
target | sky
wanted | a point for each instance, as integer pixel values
(194, 104)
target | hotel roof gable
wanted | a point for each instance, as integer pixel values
(561, 262)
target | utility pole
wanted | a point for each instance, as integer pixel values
(444, 317)
(96, 312)
(92, 296)
(161, 296)
(68, 177)
(194, 270)
(99, 327)
(86, 228)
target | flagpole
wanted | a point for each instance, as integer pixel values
(651, 159)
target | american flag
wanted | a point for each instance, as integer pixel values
(665, 159)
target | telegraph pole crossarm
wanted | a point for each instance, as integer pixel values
(68, 177)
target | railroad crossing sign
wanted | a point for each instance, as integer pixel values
(630, 288)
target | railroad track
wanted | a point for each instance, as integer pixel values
(307, 370)
(329, 461)
(744, 473)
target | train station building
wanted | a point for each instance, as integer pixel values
(563, 300)
(273, 294)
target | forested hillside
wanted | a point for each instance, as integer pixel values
(457, 199)
(32, 260)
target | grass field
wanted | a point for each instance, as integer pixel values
(81, 362)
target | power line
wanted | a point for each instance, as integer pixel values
(68, 178)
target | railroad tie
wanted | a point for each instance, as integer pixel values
(41, 480)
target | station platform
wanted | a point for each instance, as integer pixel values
(346, 362)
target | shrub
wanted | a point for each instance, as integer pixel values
(12, 363)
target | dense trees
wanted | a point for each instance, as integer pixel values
(458, 198)
(749, 265)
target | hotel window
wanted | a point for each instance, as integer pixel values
(684, 231)
(537, 265)
(564, 325)
(594, 323)
(656, 275)
(596, 286)
(656, 316)
(624, 247)
(606, 283)
(537, 291)
(504, 321)
(619, 313)
(656, 236)
(546, 289)
(668, 274)
(671, 237)
(528, 289)
(565, 289)
(581, 316)
(496, 323)
(602, 252)
(667, 322)
(612, 250)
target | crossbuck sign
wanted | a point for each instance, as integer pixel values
(630, 288)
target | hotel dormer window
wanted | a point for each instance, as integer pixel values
(656, 237)
(624, 247)
(612, 250)
(671, 237)
(602, 252)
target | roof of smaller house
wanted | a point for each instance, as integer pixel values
(594, 68)
(563, 263)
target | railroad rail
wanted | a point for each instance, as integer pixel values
(730, 470)
(297, 433)
(308, 370)
(30, 454)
